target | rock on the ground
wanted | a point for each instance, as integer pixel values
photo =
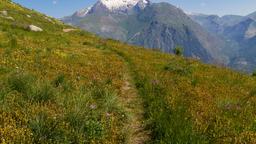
(28, 16)
(68, 30)
(10, 18)
(5, 13)
(50, 20)
(34, 28)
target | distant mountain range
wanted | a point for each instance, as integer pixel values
(239, 32)
(228, 40)
(150, 25)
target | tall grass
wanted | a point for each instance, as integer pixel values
(170, 125)
(89, 115)
(58, 87)
(45, 129)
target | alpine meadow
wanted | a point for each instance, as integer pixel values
(62, 84)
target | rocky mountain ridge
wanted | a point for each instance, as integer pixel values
(152, 25)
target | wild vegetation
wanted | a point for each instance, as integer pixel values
(74, 87)
(189, 102)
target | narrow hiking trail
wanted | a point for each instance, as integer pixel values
(133, 105)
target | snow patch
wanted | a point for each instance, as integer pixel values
(121, 4)
(83, 12)
(113, 6)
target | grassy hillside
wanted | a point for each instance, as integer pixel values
(74, 87)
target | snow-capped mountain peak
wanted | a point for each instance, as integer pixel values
(83, 12)
(120, 4)
(116, 6)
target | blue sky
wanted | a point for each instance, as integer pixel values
(60, 8)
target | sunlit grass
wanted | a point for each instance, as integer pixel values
(189, 102)
(61, 87)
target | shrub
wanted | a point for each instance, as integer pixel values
(194, 82)
(59, 80)
(254, 74)
(178, 50)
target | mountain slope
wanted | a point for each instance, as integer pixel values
(64, 85)
(252, 15)
(245, 34)
(216, 24)
(154, 26)
(239, 32)
(245, 60)
(161, 31)
(60, 86)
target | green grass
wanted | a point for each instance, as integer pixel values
(167, 125)
(188, 102)
(61, 87)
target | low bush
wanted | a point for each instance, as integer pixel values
(60, 79)
(178, 50)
